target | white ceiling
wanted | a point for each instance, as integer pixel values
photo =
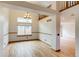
(68, 16)
(42, 3)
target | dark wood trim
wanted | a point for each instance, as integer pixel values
(10, 42)
(16, 32)
(67, 8)
(28, 35)
(12, 32)
(66, 4)
(58, 50)
(77, 2)
(49, 6)
(42, 16)
(23, 35)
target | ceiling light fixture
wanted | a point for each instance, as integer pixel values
(27, 15)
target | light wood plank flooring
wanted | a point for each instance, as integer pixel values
(68, 46)
(39, 49)
(31, 49)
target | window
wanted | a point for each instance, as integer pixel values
(23, 20)
(24, 26)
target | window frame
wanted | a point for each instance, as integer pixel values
(24, 24)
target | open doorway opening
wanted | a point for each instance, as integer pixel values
(68, 35)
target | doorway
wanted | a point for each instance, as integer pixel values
(67, 42)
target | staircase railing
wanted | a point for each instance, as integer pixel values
(68, 4)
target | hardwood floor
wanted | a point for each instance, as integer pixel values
(33, 49)
(68, 46)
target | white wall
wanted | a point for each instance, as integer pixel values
(68, 30)
(4, 17)
(77, 36)
(12, 27)
(68, 22)
(72, 29)
(48, 31)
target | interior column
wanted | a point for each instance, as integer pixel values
(58, 26)
(58, 32)
(77, 35)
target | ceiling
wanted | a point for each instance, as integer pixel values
(47, 4)
(42, 3)
(67, 15)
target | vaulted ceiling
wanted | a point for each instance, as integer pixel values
(68, 15)
(43, 3)
(46, 4)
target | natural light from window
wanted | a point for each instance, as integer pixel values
(24, 27)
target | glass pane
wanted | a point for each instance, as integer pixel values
(28, 20)
(20, 19)
(28, 30)
(20, 30)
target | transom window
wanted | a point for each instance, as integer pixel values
(24, 26)
(24, 20)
